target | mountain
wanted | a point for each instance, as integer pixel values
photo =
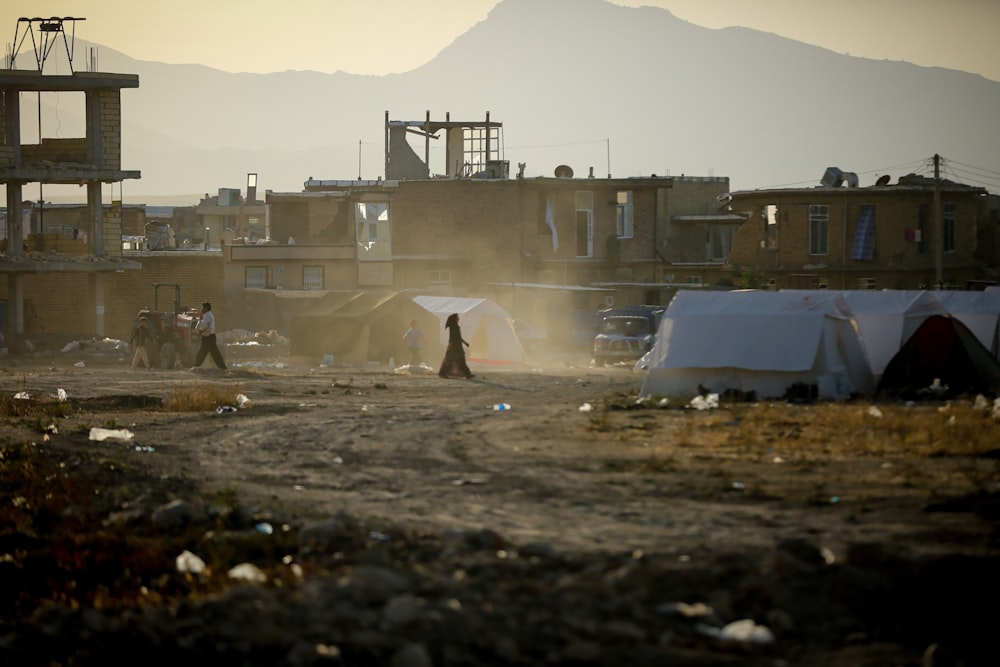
(626, 91)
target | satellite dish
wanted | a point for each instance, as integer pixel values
(564, 171)
(882, 180)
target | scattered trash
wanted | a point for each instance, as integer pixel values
(264, 528)
(663, 402)
(778, 459)
(952, 421)
(102, 434)
(80, 364)
(707, 402)
(502, 407)
(51, 428)
(695, 610)
(981, 402)
(338, 460)
(873, 411)
(22, 396)
(61, 395)
(144, 448)
(834, 500)
(744, 630)
(739, 486)
(247, 572)
(224, 408)
(379, 537)
(935, 389)
(586, 407)
(189, 563)
(242, 401)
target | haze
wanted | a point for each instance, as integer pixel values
(392, 36)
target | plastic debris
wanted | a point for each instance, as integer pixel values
(379, 537)
(873, 411)
(586, 407)
(338, 460)
(707, 402)
(144, 448)
(61, 395)
(744, 630)
(225, 408)
(265, 528)
(22, 396)
(501, 407)
(739, 486)
(101, 434)
(981, 402)
(242, 401)
(189, 563)
(80, 364)
(247, 572)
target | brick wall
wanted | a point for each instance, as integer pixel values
(62, 300)
(111, 130)
(55, 150)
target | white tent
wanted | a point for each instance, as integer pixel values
(887, 319)
(758, 341)
(485, 325)
(979, 311)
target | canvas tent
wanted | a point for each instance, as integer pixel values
(756, 341)
(886, 319)
(942, 349)
(485, 325)
(368, 327)
(979, 311)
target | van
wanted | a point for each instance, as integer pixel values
(626, 334)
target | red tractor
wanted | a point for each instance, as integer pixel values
(172, 332)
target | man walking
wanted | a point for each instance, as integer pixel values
(206, 325)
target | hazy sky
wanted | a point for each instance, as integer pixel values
(350, 35)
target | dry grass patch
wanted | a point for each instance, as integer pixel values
(199, 398)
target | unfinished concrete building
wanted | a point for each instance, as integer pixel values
(89, 161)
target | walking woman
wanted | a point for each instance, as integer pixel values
(454, 365)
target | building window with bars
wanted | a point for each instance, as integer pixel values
(312, 277)
(819, 218)
(255, 277)
(948, 222)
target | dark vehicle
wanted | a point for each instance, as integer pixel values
(625, 334)
(171, 331)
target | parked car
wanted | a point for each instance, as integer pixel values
(626, 334)
(532, 338)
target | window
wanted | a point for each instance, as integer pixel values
(922, 229)
(584, 223)
(255, 277)
(312, 277)
(372, 220)
(949, 227)
(439, 278)
(866, 283)
(625, 214)
(692, 280)
(770, 216)
(819, 216)
(864, 236)
(720, 241)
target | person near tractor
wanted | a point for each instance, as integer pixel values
(414, 337)
(140, 338)
(206, 326)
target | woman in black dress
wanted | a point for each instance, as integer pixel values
(454, 357)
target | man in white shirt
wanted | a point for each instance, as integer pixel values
(206, 325)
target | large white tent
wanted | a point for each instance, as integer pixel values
(764, 342)
(485, 324)
(887, 319)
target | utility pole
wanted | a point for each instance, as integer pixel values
(938, 223)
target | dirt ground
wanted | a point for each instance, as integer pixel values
(629, 533)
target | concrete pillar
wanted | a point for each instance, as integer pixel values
(95, 283)
(95, 210)
(14, 314)
(15, 233)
